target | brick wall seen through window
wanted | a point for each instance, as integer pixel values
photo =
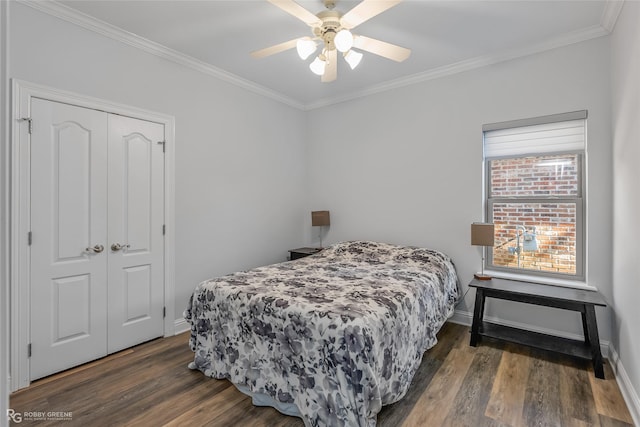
(533, 203)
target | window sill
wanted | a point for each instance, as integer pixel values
(576, 284)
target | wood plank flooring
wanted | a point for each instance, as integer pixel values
(493, 384)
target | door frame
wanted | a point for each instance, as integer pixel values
(22, 93)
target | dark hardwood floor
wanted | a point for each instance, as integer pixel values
(457, 385)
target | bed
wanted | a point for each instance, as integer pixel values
(331, 337)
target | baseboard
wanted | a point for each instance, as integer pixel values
(465, 318)
(629, 394)
(461, 318)
(181, 326)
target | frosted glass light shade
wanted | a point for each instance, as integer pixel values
(353, 58)
(343, 40)
(318, 66)
(305, 48)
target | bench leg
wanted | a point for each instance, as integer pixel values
(585, 329)
(478, 312)
(594, 341)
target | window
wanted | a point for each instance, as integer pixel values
(535, 195)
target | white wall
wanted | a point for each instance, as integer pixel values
(240, 176)
(402, 166)
(625, 60)
(405, 166)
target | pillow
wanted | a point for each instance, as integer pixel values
(362, 250)
(379, 253)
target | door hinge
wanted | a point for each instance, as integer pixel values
(164, 144)
(164, 312)
(30, 126)
(29, 238)
(29, 350)
(164, 229)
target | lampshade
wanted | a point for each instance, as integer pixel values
(319, 218)
(343, 40)
(353, 58)
(305, 47)
(482, 234)
(318, 66)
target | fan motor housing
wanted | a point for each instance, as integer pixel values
(330, 27)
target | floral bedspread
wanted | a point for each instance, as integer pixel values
(338, 334)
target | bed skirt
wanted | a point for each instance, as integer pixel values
(261, 399)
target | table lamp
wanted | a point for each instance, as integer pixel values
(320, 219)
(482, 235)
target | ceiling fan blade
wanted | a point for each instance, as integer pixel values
(364, 11)
(384, 49)
(267, 51)
(293, 8)
(331, 71)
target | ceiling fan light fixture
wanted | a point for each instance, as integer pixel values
(318, 66)
(343, 40)
(305, 47)
(331, 30)
(353, 58)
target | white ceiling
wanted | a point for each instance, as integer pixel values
(444, 36)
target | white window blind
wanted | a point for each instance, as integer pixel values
(535, 190)
(536, 136)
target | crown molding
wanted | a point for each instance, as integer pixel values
(467, 65)
(610, 14)
(93, 24)
(607, 23)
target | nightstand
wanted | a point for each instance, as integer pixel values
(302, 252)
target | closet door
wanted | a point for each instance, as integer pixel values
(69, 236)
(136, 238)
(97, 215)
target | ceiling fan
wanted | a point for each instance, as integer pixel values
(332, 29)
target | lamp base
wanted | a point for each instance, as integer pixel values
(482, 276)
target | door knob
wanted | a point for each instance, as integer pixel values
(96, 249)
(117, 246)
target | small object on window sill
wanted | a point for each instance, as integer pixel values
(482, 276)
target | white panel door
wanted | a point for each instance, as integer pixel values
(69, 229)
(136, 240)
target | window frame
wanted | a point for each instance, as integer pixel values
(580, 200)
